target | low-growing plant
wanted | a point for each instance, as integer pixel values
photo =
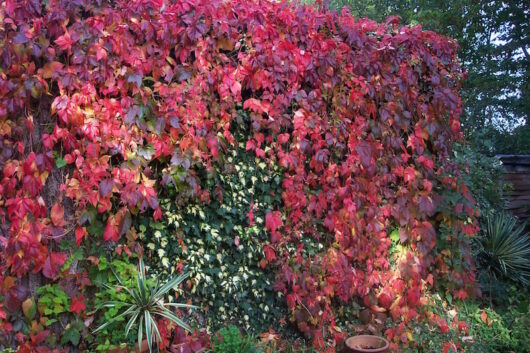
(230, 340)
(103, 273)
(145, 303)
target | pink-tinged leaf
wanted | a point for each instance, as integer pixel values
(273, 221)
(283, 138)
(64, 42)
(53, 264)
(101, 54)
(111, 230)
(80, 234)
(251, 145)
(409, 175)
(260, 153)
(157, 215)
(256, 105)
(57, 215)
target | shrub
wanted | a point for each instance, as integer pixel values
(106, 106)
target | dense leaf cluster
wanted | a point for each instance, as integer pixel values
(222, 240)
(128, 100)
(494, 42)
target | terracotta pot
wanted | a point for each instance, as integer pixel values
(366, 344)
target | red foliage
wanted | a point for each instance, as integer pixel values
(78, 305)
(359, 115)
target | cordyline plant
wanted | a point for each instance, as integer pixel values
(127, 97)
(147, 301)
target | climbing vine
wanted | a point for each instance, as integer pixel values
(123, 103)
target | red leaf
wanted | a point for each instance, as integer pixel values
(409, 175)
(80, 233)
(157, 215)
(385, 300)
(251, 145)
(413, 296)
(53, 264)
(64, 42)
(39, 338)
(111, 230)
(57, 215)
(78, 304)
(270, 255)
(256, 105)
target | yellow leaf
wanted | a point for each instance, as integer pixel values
(224, 43)
(484, 317)
(28, 308)
(48, 69)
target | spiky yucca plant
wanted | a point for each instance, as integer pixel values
(505, 249)
(146, 302)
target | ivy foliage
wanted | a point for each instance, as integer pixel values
(220, 237)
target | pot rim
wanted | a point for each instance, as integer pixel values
(369, 350)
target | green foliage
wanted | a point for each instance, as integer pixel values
(146, 302)
(484, 178)
(498, 330)
(505, 249)
(52, 301)
(215, 240)
(481, 329)
(230, 340)
(72, 334)
(103, 275)
(53, 304)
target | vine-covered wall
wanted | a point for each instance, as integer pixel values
(296, 160)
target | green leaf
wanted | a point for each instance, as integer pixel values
(171, 284)
(60, 162)
(140, 335)
(394, 236)
(148, 330)
(131, 322)
(71, 335)
(169, 315)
